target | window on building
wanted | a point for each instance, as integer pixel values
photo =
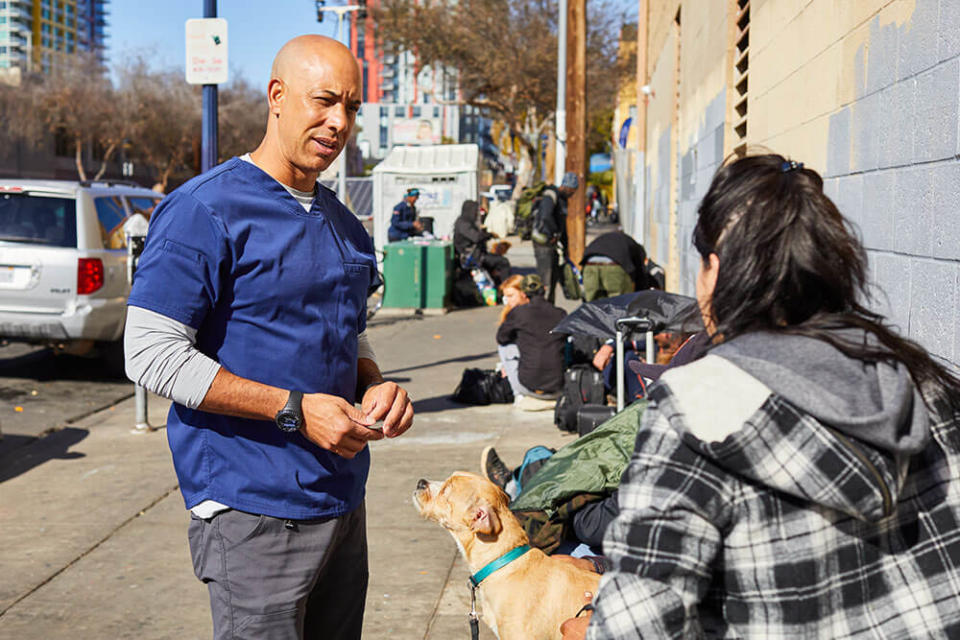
(384, 112)
(416, 112)
(363, 88)
(398, 111)
(384, 135)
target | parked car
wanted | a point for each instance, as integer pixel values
(63, 263)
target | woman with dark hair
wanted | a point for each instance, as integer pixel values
(803, 478)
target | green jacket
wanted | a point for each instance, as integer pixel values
(585, 470)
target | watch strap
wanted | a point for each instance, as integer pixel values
(294, 401)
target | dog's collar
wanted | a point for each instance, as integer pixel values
(499, 563)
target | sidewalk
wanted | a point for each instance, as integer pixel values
(94, 539)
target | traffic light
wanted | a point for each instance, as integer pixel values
(362, 11)
(320, 12)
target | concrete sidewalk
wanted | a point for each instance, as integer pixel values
(94, 541)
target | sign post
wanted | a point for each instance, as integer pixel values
(207, 65)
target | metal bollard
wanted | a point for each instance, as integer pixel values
(136, 231)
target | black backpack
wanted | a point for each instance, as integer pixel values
(545, 224)
(482, 386)
(582, 384)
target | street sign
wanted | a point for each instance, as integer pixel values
(206, 51)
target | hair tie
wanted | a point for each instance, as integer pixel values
(790, 165)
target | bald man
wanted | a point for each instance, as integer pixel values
(249, 312)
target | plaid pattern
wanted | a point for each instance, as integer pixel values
(781, 531)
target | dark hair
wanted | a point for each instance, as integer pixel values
(790, 263)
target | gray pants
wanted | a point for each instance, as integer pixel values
(510, 359)
(274, 579)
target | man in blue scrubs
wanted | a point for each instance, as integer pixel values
(248, 311)
(403, 220)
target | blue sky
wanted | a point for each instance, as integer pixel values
(256, 30)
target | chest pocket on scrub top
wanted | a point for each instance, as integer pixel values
(353, 295)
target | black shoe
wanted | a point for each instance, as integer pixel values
(494, 469)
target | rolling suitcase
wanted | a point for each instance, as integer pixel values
(591, 416)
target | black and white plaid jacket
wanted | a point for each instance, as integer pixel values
(742, 517)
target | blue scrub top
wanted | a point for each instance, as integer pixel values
(277, 295)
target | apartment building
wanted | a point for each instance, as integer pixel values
(34, 33)
(404, 104)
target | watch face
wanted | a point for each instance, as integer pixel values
(288, 421)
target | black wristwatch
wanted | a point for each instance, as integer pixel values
(290, 417)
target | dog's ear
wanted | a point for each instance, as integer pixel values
(484, 519)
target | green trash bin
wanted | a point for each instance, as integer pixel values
(418, 274)
(438, 282)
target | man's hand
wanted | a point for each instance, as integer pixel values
(417, 225)
(388, 401)
(576, 628)
(334, 424)
(602, 357)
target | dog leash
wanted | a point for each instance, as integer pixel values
(475, 580)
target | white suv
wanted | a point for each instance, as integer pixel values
(63, 262)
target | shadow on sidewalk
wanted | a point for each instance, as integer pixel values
(437, 403)
(18, 455)
(477, 356)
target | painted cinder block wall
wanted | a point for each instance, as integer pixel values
(866, 92)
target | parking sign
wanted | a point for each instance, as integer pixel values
(206, 51)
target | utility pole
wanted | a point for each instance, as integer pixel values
(210, 133)
(340, 12)
(577, 124)
(560, 153)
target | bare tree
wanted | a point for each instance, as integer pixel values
(242, 117)
(74, 100)
(165, 120)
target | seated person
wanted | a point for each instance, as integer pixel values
(403, 220)
(614, 264)
(470, 244)
(603, 360)
(531, 356)
(589, 522)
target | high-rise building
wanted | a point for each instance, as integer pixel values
(34, 34)
(405, 103)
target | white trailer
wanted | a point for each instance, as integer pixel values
(446, 175)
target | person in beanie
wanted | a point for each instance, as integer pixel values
(531, 356)
(549, 233)
(403, 220)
